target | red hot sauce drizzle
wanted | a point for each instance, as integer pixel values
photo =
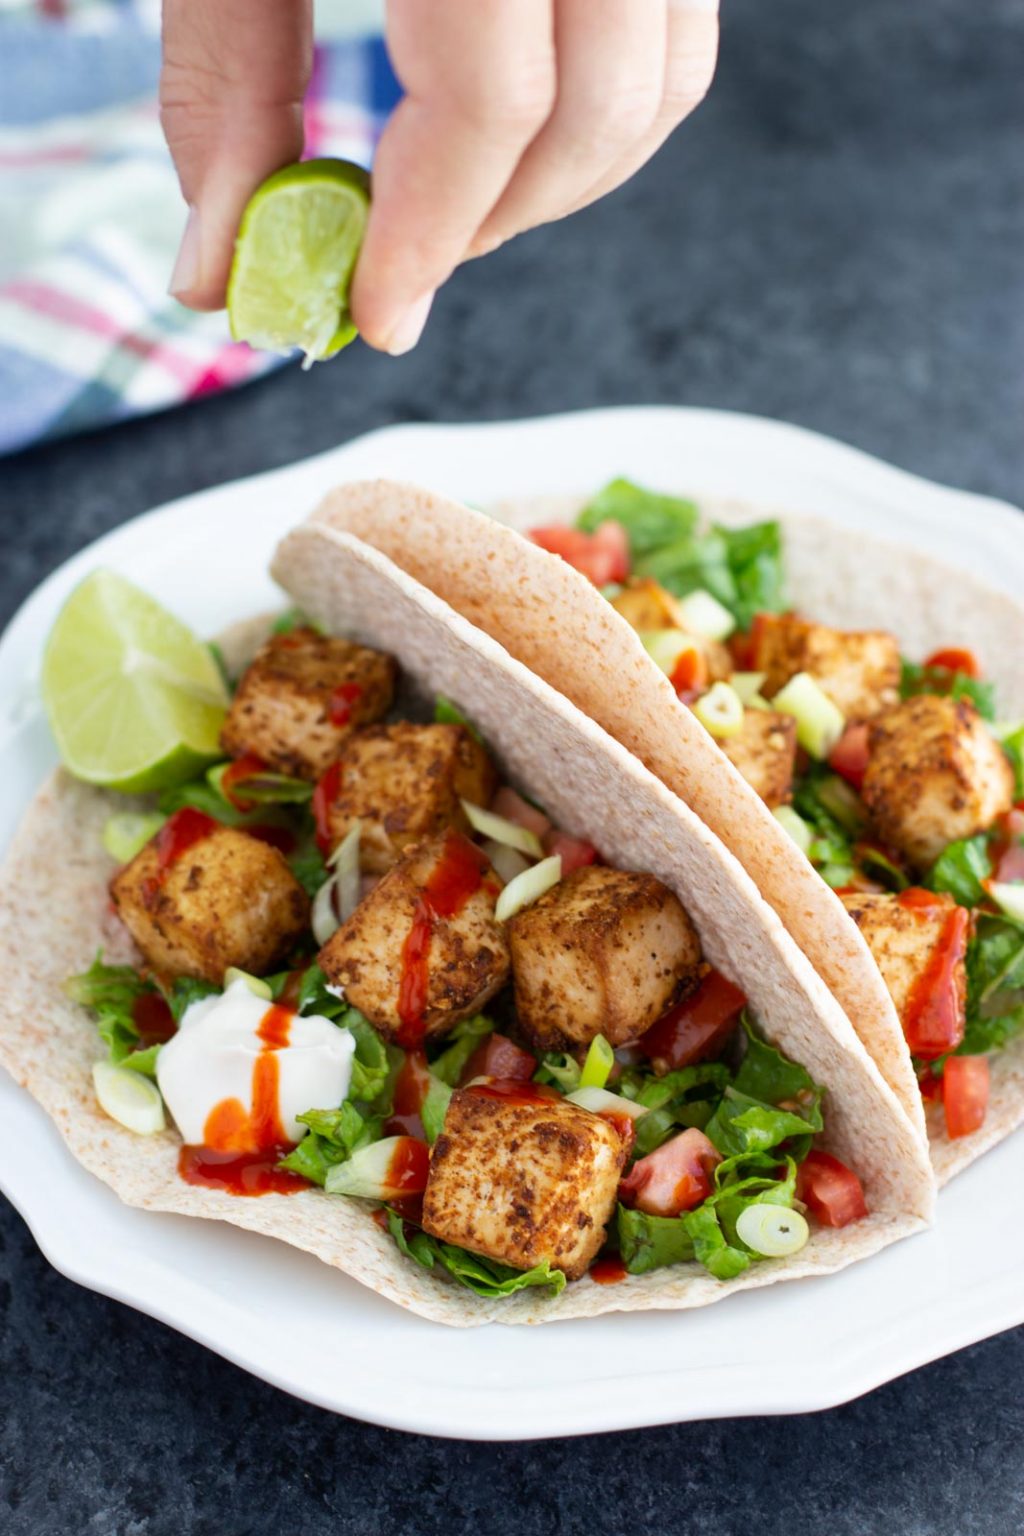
(178, 834)
(608, 1271)
(411, 1087)
(247, 767)
(324, 796)
(343, 700)
(933, 1018)
(153, 1020)
(457, 875)
(241, 1148)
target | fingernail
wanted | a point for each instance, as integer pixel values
(410, 327)
(186, 265)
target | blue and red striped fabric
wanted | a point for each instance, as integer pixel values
(91, 215)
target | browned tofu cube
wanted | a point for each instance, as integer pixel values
(423, 950)
(604, 952)
(646, 605)
(903, 940)
(403, 783)
(302, 697)
(522, 1178)
(196, 907)
(765, 753)
(858, 669)
(935, 774)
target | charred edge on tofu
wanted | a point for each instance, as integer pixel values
(524, 1186)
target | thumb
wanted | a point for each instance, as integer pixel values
(231, 88)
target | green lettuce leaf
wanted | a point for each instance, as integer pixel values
(1013, 745)
(754, 557)
(651, 1242)
(831, 819)
(767, 1075)
(482, 1276)
(995, 985)
(294, 618)
(110, 992)
(710, 1245)
(447, 713)
(186, 990)
(650, 520)
(308, 866)
(960, 869)
(686, 1097)
(698, 560)
(372, 1066)
(919, 679)
(434, 1108)
(333, 1136)
(559, 1070)
(463, 1041)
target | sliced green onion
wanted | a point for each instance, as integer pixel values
(505, 861)
(798, 829)
(344, 861)
(324, 919)
(1009, 897)
(774, 1231)
(130, 1099)
(502, 830)
(841, 800)
(128, 832)
(720, 710)
(704, 615)
(598, 1065)
(368, 1173)
(665, 646)
(600, 1102)
(748, 685)
(819, 722)
(256, 986)
(527, 887)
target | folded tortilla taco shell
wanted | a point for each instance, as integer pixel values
(53, 916)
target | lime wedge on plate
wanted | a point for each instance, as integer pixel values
(136, 701)
(296, 249)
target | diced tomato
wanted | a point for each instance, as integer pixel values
(573, 851)
(675, 1177)
(930, 1085)
(696, 1028)
(849, 757)
(831, 1191)
(965, 1083)
(1011, 864)
(689, 676)
(934, 1013)
(601, 557)
(955, 660)
(613, 541)
(514, 808)
(498, 1056)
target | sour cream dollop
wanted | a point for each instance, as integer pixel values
(213, 1059)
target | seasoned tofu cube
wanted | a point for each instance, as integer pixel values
(765, 753)
(520, 1178)
(903, 940)
(646, 605)
(302, 697)
(225, 899)
(423, 950)
(935, 774)
(403, 783)
(858, 669)
(604, 952)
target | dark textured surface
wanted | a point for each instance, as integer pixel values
(837, 241)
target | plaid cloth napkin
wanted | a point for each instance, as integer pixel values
(91, 216)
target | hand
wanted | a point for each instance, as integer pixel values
(515, 112)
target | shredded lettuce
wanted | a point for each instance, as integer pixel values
(559, 1070)
(679, 1099)
(995, 984)
(831, 819)
(650, 519)
(447, 713)
(754, 558)
(333, 1136)
(463, 1041)
(110, 992)
(651, 1242)
(1012, 741)
(184, 991)
(960, 869)
(294, 618)
(920, 679)
(484, 1277)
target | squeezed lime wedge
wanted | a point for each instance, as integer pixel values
(136, 701)
(294, 256)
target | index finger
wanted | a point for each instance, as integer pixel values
(480, 81)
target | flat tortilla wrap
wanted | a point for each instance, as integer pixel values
(551, 617)
(54, 915)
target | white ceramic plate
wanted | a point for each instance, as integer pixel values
(290, 1320)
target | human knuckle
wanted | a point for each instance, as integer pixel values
(512, 105)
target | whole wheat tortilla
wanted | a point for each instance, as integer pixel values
(551, 617)
(53, 916)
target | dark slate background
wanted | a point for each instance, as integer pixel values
(837, 241)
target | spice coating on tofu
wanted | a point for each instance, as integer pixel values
(466, 961)
(764, 751)
(403, 783)
(903, 940)
(858, 669)
(230, 900)
(935, 773)
(603, 952)
(523, 1180)
(302, 696)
